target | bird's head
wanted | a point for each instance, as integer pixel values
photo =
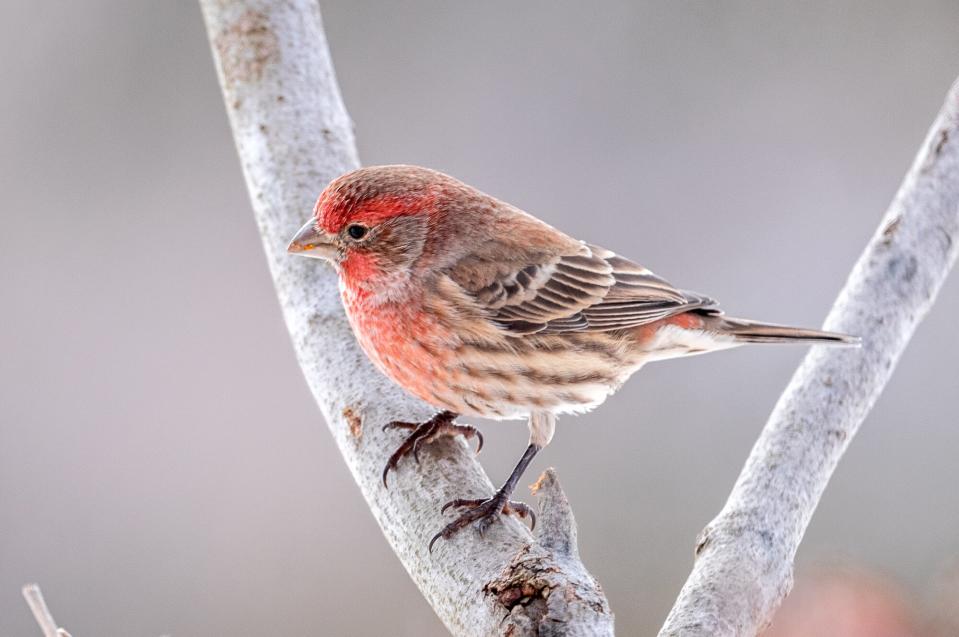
(380, 223)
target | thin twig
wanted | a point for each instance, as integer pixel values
(34, 597)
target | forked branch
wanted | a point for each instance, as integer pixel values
(293, 135)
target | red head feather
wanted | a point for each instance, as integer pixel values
(373, 194)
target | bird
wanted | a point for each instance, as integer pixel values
(481, 309)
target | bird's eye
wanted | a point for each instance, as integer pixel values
(356, 231)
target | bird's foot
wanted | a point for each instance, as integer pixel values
(483, 512)
(424, 433)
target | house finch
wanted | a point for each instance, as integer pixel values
(479, 308)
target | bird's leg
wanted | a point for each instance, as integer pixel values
(421, 433)
(485, 511)
(542, 424)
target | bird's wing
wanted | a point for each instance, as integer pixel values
(584, 288)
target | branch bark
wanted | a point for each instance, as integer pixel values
(293, 136)
(744, 557)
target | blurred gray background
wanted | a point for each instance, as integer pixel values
(163, 469)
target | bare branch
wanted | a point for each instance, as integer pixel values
(293, 136)
(31, 593)
(744, 557)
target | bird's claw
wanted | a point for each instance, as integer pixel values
(397, 424)
(483, 512)
(423, 433)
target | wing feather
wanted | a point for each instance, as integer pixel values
(587, 288)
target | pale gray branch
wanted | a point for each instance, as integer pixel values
(41, 613)
(744, 557)
(293, 136)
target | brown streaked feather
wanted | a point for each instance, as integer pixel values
(585, 288)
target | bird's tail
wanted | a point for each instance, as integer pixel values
(745, 331)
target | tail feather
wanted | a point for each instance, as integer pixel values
(745, 331)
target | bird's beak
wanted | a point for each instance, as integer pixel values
(311, 242)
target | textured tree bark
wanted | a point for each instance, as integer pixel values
(744, 557)
(293, 136)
